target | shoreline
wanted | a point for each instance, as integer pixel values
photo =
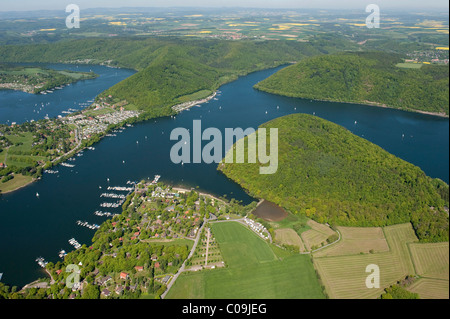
(20, 187)
(367, 103)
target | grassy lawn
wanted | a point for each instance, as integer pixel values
(409, 65)
(254, 271)
(18, 181)
(18, 155)
(195, 96)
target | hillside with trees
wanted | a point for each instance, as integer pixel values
(332, 176)
(168, 69)
(366, 78)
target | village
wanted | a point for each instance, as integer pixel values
(139, 253)
(96, 120)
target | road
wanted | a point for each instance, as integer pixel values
(183, 267)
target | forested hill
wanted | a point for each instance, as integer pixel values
(331, 175)
(365, 77)
(169, 69)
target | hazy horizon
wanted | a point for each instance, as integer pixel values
(406, 5)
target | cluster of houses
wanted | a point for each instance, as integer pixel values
(258, 228)
(432, 56)
(90, 125)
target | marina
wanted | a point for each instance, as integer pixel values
(87, 225)
(103, 214)
(112, 195)
(74, 243)
(62, 253)
(111, 205)
(41, 262)
(67, 165)
(49, 171)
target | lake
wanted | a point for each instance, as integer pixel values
(19, 107)
(41, 226)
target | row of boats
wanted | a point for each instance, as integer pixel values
(41, 262)
(111, 205)
(112, 195)
(74, 243)
(103, 214)
(49, 171)
(120, 188)
(67, 165)
(86, 224)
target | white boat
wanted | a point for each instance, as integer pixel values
(37, 194)
(41, 262)
(62, 253)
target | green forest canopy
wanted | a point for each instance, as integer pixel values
(331, 175)
(364, 77)
(168, 68)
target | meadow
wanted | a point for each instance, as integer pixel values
(253, 270)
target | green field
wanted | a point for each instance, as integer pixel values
(253, 271)
(409, 65)
(17, 182)
(195, 96)
(20, 153)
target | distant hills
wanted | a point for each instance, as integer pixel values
(168, 68)
(333, 176)
(367, 78)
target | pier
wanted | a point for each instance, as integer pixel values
(87, 225)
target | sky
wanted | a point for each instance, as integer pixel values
(407, 5)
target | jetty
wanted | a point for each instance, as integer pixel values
(67, 165)
(62, 253)
(104, 214)
(41, 262)
(113, 195)
(87, 225)
(74, 243)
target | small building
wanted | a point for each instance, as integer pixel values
(106, 292)
(139, 268)
(104, 280)
(124, 276)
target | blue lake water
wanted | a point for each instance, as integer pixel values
(19, 107)
(34, 226)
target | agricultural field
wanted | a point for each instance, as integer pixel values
(317, 236)
(356, 240)
(253, 271)
(344, 276)
(428, 288)
(431, 260)
(288, 236)
(342, 270)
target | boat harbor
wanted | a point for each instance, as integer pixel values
(41, 262)
(62, 253)
(74, 243)
(87, 225)
(103, 214)
(67, 165)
